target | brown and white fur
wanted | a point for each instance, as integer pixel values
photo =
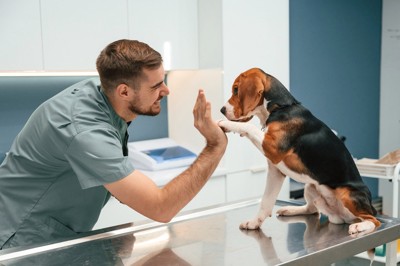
(302, 147)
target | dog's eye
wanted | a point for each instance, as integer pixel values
(235, 91)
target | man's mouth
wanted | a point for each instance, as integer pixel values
(158, 100)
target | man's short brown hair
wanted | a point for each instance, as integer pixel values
(123, 61)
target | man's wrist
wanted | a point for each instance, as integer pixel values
(215, 147)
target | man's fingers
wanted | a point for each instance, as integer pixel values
(199, 100)
(207, 110)
(204, 123)
(200, 109)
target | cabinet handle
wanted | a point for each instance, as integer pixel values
(258, 169)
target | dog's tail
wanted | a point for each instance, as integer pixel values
(371, 255)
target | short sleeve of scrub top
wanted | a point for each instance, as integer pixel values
(96, 157)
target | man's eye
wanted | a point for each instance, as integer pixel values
(235, 91)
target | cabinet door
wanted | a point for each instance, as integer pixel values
(20, 46)
(241, 154)
(170, 27)
(245, 185)
(74, 32)
(212, 193)
(250, 184)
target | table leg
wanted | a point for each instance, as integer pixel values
(391, 253)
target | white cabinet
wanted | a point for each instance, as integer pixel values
(212, 193)
(170, 27)
(21, 41)
(241, 154)
(74, 32)
(60, 35)
(250, 184)
(245, 185)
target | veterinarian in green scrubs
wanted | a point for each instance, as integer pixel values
(72, 153)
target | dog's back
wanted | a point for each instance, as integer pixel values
(314, 143)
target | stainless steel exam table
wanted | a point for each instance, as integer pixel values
(212, 237)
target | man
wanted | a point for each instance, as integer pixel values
(72, 154)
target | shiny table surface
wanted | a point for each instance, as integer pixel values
(211, 237)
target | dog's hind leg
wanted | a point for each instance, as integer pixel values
(273, 186)
(310, 194)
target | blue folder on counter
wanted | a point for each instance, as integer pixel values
(159, 154)
(169, 153)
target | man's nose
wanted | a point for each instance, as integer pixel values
(165, 90)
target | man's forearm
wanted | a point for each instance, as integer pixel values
(181, 190)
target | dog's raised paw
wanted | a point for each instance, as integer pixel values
(223, 124)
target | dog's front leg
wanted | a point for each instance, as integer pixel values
(252, 132)
(273, 186)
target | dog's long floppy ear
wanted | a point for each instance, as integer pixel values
(276, 94)
(265, 82)
(272, 86)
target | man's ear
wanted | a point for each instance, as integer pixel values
(122, 90)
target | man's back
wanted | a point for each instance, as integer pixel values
(48, 180)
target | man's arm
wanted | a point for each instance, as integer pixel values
(161, 204)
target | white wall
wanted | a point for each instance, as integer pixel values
(389, 139)
(389, 130)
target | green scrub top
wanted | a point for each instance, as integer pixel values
(51, 181)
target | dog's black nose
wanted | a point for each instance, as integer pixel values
(223, 110)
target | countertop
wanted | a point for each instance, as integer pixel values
(211, 236)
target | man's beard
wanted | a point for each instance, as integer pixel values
(139, 111)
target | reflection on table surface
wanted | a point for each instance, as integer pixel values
(214, 238)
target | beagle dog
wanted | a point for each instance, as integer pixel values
(300, 146)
